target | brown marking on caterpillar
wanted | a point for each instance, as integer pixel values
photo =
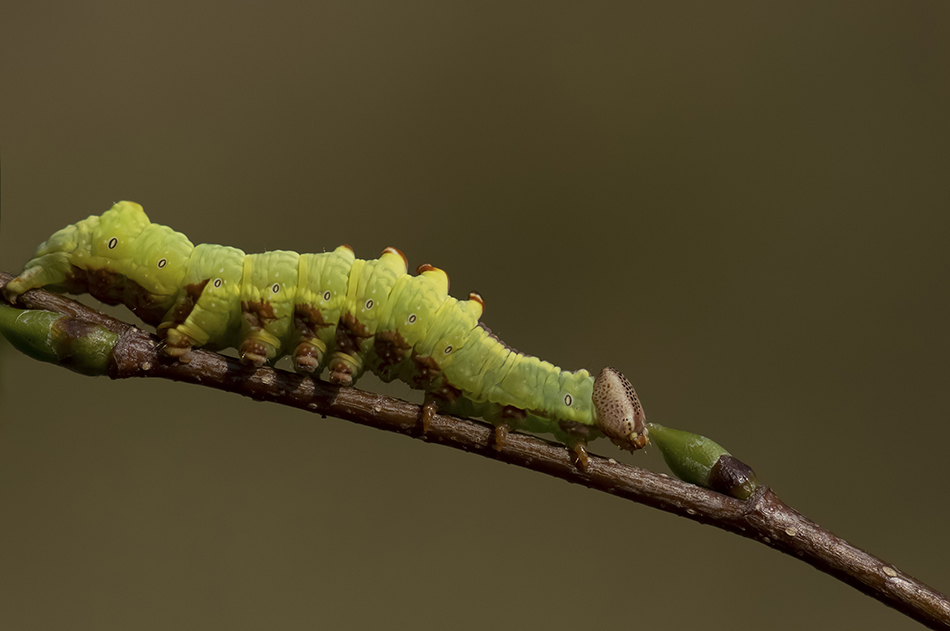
(77, 280)
(357, 328)
(112, 288)
(391, 349)
(426, 372)
(308, 320)
(350, 334)
(150, 308)
(447, 392)
(258, 313)
(514, 413)
(428, 376)
(511, 417)
(106, 285)
(103, 284)
(184, 308)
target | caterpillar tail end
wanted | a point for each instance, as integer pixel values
(619, 414)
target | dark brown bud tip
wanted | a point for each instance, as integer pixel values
(730, 476)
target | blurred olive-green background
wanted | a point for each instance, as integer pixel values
(742, 206)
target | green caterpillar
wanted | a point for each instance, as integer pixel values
(336, 312)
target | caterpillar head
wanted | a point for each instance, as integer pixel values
(619, 413)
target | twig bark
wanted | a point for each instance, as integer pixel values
(763, 517)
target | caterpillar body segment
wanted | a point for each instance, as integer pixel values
(331, 311)
(321, 292)
(207, 309)
(368, 290)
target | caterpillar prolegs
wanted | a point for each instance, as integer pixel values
(334, 312)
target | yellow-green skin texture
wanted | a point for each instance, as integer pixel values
(328, 310)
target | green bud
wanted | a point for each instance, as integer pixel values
(699, 460)
(59, 339)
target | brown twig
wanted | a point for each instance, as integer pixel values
(763, 517)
